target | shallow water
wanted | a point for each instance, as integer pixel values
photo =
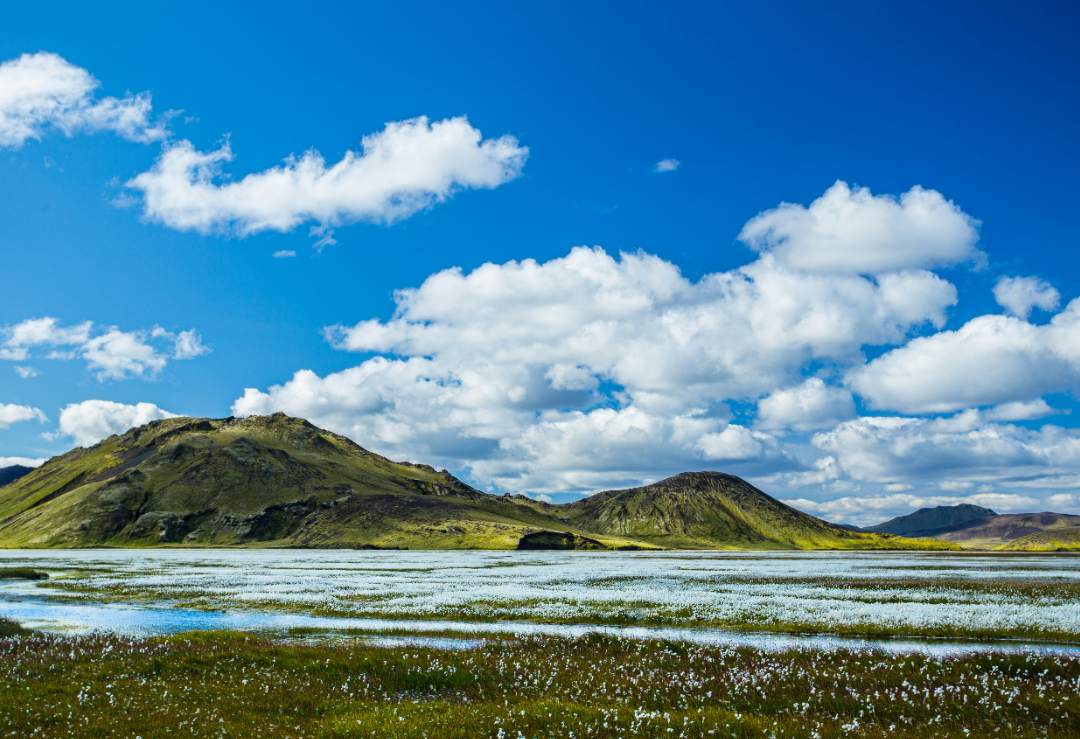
(83, 618)
(277, 590)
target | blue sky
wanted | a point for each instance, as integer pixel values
(587, 371)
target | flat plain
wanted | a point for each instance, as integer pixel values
(983, 596)
(503, 679)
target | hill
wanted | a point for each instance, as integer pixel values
(930, 519)
(1061, 539)
(281, 482)
(696, 510)
(996, 532)
(13, 473)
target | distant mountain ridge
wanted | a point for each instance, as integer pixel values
(974, 527)
(13, 473)
(1004, 531)
(931, 519)
(281, 482)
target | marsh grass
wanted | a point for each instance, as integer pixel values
(22, 573)
(237, 685)
(882, 595)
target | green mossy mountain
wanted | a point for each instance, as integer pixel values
(706, 510)
(276, 481)
(930, 519)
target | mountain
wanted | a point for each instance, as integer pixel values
(929, 519)
(281, 482)
(1001, 532)
(696, 510)
(13, 473)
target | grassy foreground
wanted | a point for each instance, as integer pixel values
(227, 684)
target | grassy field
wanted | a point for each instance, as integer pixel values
(229, 684)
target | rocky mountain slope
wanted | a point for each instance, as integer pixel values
(281, 482)
(931, 519)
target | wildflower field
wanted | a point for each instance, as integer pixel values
(218, 684)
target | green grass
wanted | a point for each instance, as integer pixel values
(9, 628)
(22, 573)
(229, 684)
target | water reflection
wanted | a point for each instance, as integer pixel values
(80, 618)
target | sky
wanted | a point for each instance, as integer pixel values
(558, 248)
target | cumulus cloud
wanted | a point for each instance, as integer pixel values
(1020, 411)
(111, 354)
(990, 359)
(964, 450)
(42, 91)
(595, 371)
(22, 461)
(26, 372)
(12, 414)
(1019, 295)
(186, 344)
(853, 231)
(806, 407)
(637, 322)
(498, 368)
(406, 167)
(666, 165)
(90, 421)
(284, 253)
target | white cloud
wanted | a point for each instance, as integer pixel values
(115, 355)
(284, 253)
(1019, 295)
(960, 448)
(91, 421)
(1063, 500)
(110, 353)
(45, 331)
(42, 91)
(188, 345)
(496, 369)
(406, 167)
(593, 371)
(22, 461)
(666, 165)
(806, 407)
(734, 442)
(1020, 411)
(12, 414)
(990, 359)
(26, 372)
(852, 231)
(637, 322)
